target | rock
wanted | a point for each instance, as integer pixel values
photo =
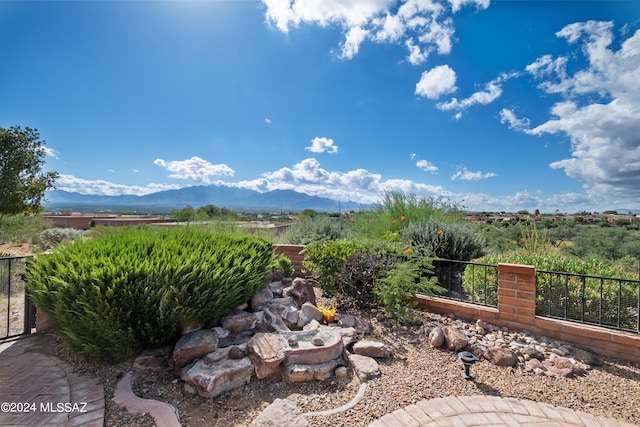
(211, 380)
(281, 413)
(372, 348)
(436, 337)
(237, 352)
(154, 360)
(501, 356)
(267, 353)
(361, 326)
(365, 367)
(262, 297)
(309, 312)
(235, 339)
(531, 352)
(454, 339)
(536, 364)
(274, 321)
(193, 346)
(238, 321)
(276, 288)
(311, 326)
(300, 291)
(341, 372)
(301, 372)
(588, 358)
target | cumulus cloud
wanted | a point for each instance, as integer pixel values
(106, 188)
(267, 121)
(359, 185)
(426, 22)
(321, 145)
(50, 152)
(194, 169)
(426, 166)
(599, 110)
(466, 175)
(491, 92)
(436, 82)
(509, 117)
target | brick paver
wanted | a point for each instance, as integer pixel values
(41, 390)
(490, 411)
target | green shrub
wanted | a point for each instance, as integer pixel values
(359, 275)
(396, 291)
(314, 228)
(283, 265)
(433, 238)
(54, 236)
(116, 294)
(324, 260)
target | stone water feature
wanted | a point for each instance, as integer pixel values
(278, 334)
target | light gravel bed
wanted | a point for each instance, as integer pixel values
(415, 372)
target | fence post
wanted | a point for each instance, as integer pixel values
(516, 294)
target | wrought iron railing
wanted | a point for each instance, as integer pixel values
(468, 281)
(603, 301)
(17, 312)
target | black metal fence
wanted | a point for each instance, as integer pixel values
(602, 301)
(17, 312)
(468, 281)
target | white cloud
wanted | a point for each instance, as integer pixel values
(352, 42)
(267, 121)
(599, 111)
(321, 145)
(466, 175)
(417, 55)
(426, 166)
(509, 117)
(106, 188)
(436, 82)
(457, 4)
(50, 152)
(491, 92)
(194, 169)
(426, 21)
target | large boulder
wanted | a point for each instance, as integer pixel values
(238, 321)
(302, 372)
(455, 339)
(308, 312)
(372, 348)
(300, 291)
(365, 367)
(267, 353)
(501, 356)
(194, 345)
(436, 337)
(211, 379)
(281, 413)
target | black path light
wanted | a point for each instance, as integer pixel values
(467, 358)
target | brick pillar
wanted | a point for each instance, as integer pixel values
(516, 294)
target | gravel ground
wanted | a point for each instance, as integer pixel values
(416, 371)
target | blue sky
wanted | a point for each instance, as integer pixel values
(496, 106)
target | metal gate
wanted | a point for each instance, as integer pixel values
(17, 312)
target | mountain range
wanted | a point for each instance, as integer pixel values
(238, 199)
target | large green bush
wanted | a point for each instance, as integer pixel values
(121, 292)
(434, 238)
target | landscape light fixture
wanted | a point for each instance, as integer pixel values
(467, 358)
